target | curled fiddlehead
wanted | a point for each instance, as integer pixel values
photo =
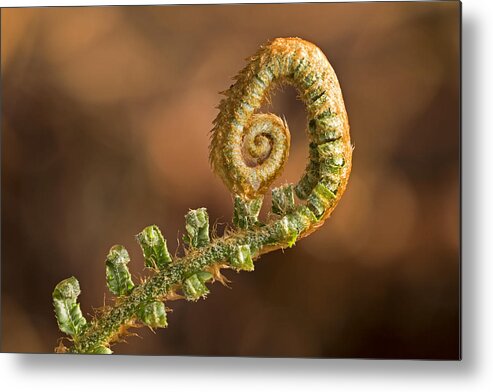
(248, 151)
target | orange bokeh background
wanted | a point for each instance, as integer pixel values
(106, 113)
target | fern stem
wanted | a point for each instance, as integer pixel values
(275, 235)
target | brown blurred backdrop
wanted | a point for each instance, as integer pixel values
(105, 119)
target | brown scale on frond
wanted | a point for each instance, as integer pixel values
(215, 270)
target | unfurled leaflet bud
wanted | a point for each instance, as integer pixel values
(241, 258)
(283, 200)
(197, 227)
(154, 315)
(326, 127)
(320, 199)
(311, 175)
(67, 310)
(194, 286)
(118, 276)
(245, 214)
(154, 248)
(302, 218)
(331, 164)
(289, 233)
(101, 350)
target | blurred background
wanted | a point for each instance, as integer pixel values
(106, 113)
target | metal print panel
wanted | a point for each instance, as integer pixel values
(310, 209)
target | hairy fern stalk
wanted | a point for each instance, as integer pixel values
(248, 151)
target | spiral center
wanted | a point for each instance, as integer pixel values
(257, 148)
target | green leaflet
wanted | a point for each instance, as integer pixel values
(331, 163)
(320, 198)
(289, 233)
(241, 258)
(197, 227)
(101, 350)
(311, 175)
(326, 127)
(332, 153)
(283, 200)
(67, 310)
(154, 248)
(154, 315)
(194, 286)
(118, 278)
(304, 217)
(245, 214)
